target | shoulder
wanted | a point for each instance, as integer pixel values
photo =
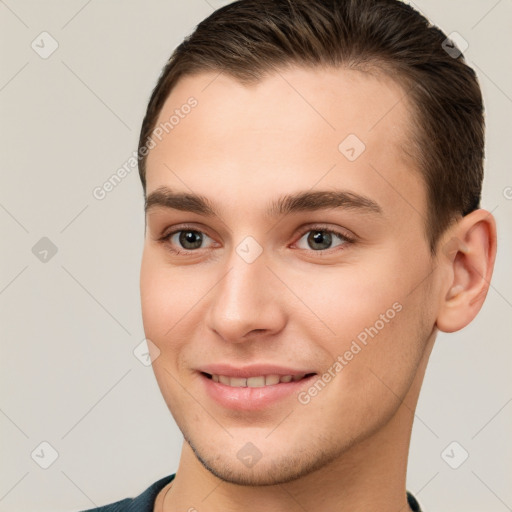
(413, 503)
(142, 503)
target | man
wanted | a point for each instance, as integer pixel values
(312, 173)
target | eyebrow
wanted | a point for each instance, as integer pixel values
(287, 204)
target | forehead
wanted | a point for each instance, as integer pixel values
(296, 126)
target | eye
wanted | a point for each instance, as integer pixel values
(187, 240)
(184, 240)
(321, 239)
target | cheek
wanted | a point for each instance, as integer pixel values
(151, 295)
(160, 310)
(347, 299)
(375, 315)
(166, 295)
(173, 302)
(388, 335)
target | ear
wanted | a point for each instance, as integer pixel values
(467, 259)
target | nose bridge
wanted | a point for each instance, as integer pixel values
(243, 300)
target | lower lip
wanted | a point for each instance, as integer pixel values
(251, 399)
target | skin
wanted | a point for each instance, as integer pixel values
(242, 147)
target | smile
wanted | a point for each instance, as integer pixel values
(255, 382)
(253, 392)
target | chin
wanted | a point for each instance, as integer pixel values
(280, 468)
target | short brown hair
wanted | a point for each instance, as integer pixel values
(247, 39)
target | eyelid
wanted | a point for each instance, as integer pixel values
(182, 227)
(343, 233)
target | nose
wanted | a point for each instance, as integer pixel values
(247, 303)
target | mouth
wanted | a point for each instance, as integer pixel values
(257, 381)
(253, 393)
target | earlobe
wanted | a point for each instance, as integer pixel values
(468, 258)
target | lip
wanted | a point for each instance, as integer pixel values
(253, 370)
(247, 398)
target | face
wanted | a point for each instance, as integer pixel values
(285, 237)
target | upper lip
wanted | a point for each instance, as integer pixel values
(253, 370)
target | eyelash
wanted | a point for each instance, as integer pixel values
(347, 240)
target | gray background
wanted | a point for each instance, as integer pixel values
(70, 324)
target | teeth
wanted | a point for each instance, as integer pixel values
(237, 382)
(271, 379)
(224, 380)
(255, 382)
